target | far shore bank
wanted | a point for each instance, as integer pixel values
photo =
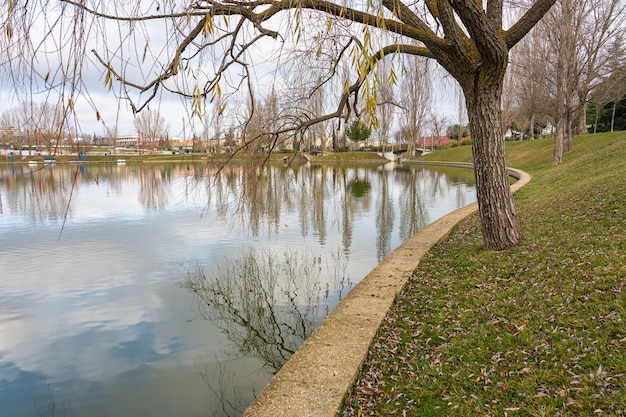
(223, 158)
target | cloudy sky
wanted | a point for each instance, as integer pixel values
(99, 106)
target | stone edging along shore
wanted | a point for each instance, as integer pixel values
(316, 378)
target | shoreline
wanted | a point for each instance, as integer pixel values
(316, 378)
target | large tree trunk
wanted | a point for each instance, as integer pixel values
(568, 145)
(500, 226)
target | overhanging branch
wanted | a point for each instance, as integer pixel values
(527, 22)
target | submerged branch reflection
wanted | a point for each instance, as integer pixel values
(228, 399)
(266, 302)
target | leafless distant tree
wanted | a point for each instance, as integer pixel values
(151, 127)
(528, 81)
(213, 123)
(437, 124)
(111, 136)
(579, 34)
(316, 108)
(36, 125)
(261, 127)
(603, 25)
(416, 99)
(386, 101)
(612, 86)
(49, 122)
(11, 135)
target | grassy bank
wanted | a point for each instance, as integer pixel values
(537, 330)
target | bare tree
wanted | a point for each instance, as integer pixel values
(437, 124)
(416, 99)
(467, 38)
(602, 25)
(151, 127)
(579, 34)
(212, 124)
(11, 134)
(562, 31)
(111, 136)
(386, 102)
(35, 125)
(318, 131)
(261, 126)
(528, 81)
(48, 133)
(509, 95)
(612, 88)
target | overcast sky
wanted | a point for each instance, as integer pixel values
(99, 107)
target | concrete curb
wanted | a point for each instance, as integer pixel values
(316, 378)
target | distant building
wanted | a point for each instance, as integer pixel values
(186, 144)
(130, 141)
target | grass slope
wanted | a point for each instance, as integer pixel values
(537, 330)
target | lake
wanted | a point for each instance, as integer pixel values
(179, 290)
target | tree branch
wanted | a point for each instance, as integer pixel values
(481, 30)
(451, 29)
(527, 22)
(94, 12)
(494, 12)
(354, 88)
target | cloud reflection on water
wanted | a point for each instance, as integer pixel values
(100, 316)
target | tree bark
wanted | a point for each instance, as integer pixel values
(613, 115)
(568, 145)
(581, 129)
(558, 141)
(499, 223)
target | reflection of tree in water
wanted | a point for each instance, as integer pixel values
(412, 209)
(326, 197)
(384, 217)
(154, 192)
(266, 303)
(45, 194)
(38, 194)
(246, 193)
(51, 409)
(315, 190)
(228, 398)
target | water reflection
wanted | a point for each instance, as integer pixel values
(267, 302)
(100, 318)
(262, 198)
(224, 388)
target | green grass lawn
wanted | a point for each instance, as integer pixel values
(537, 330)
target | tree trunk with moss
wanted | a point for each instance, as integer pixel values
(482, 83)
(499, 224)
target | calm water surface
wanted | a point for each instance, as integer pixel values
(167, 290)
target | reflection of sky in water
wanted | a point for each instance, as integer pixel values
(98, 320)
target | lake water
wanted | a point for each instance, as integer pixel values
(170, 290)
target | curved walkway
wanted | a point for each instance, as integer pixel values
(315, 379)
